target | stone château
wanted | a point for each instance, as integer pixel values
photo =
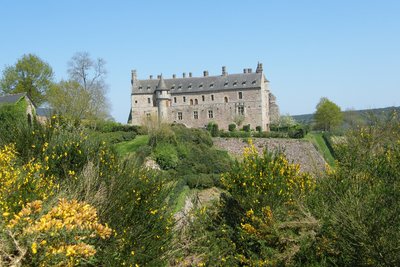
(243, 99)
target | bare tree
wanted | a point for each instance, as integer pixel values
(90, 74)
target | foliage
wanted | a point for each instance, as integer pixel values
(166, 156)
(132, 146)
(212, 127)
(258, 129)
(63, 236)
(361, 195)
(319, 143)
(202, 180)
(232, 127)
(297, 132)
(284, 122)
(246, 128)
(328, 115)
(262, 221)
(113, 137)
(31, 75)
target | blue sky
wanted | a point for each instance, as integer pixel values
(348, 51)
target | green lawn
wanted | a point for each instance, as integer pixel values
(319, 143)
(124, 148)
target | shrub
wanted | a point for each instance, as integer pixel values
(212, 127)
(232, 127)
(199, 181)
(166, 156)
(246, 128)
(259, 129)
(297, 132)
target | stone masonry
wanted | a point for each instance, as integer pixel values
(242, 98)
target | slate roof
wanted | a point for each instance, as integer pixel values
(44, 112)
(11, 99)
(200, 84)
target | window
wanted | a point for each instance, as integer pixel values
(253, 82)
(203, 98)
(148, 87)
(240, 95)
(240, 110)
(180, 116)
(201, 86)
(212, 97)
(148, 116)
(191, 102)
(184, 99)
(211, 85)
(210, 114)
(174, 99)
(148, 100)
(226, 99)
(196, 102)
(244, 83)
(173, 86)
(226, 83)
(135, 101)
(195, 115)
(234, 83)
(180, 86)
(190, 86)
(140, 87)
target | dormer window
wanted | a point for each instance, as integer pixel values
(253, 82)
(190, 86)
(140, 87)
(201, 86)
(211, 85)
(226, 83)
(180, 86)
(173, 87)
(244, 83)
(234, 83)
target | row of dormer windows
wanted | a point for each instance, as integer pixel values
(196, 101)
(190, 86)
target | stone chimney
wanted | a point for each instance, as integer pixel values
(173, 76)
(190, 75)
(244, 70)
(158, 77)
(133, 76)
(151, 77)
(205, 73)
(184, 75)
(259, 67)
(224, 73)
(249, 70)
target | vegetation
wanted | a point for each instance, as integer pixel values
(319, 143)
(328, 115)
(31, 75)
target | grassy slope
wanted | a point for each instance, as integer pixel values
(124, 148)
(319, 143)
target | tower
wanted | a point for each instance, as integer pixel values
(163, 98)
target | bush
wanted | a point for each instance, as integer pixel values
(297, 132)
(212, 127)
(362, 196)
(114, 137)
(166, 156)
(199, 181)
(246, 128)
(259, 129)
(232, 127)
(235, 134)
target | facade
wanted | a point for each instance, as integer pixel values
(242, 99)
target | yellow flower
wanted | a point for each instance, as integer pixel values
(34, 248)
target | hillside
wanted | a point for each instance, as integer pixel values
(363, 114)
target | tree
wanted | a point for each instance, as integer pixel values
(84, 95)
(70, 99)
(31, 75)
(328, 115)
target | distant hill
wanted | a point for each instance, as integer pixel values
(363, 114)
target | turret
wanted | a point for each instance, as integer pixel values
(163, 98)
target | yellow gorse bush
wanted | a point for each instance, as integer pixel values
(21, 184)
(62, 235)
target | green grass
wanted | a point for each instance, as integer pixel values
(180, 199)
(319, 143)
(124, 148)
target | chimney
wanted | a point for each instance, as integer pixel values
(249, 70)
(151, 77)
(184, 75)
(158, 77)
(259, 67)
(190, 75)
(205, 73)
(173, 76)
(133, 76)
(224, 73)
(244, 70)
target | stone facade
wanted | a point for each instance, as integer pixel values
(242, 98)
